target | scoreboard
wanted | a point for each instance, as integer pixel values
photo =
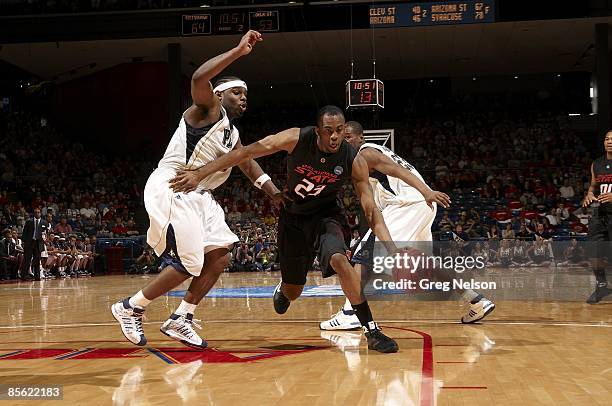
(237, 22)
(436, 13)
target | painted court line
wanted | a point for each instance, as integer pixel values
(492, 322)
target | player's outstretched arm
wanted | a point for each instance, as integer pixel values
(253, 171)
(186, 181)
(382, 163)
(201, 88)
(374, 217)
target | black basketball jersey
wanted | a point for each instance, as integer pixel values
(602, 169)
(314, 178)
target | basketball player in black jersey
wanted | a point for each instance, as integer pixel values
(600, 225)
(320, 162)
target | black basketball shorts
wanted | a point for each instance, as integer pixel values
(303, 237)
(600, 231)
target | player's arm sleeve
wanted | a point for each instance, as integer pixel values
(374, 217)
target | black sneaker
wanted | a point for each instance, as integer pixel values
(281, 303)
(599, 293)
(379, 342)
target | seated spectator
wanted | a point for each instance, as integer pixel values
(131, 228)
(566, 191)
(460, 233)
(355, 240)
(119, 228)
(445, 224)
(77, 224)
(264, 259)
(233, 215)
(8, 256)
(574, 255)
(145, 263)
(270, 219)
(243, 260)
(63, 227)
(493, 233)
(88, 212)
(539, 253)
(508, 233)
(524, 234)
(553, 217)
(542, 233)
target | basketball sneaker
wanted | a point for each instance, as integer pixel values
(130, 320)
(479, 308)
(599, 293)
(378, 341)
(343, 320)
(281, 303)
(180, 328)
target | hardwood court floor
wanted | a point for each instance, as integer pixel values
(525, 353)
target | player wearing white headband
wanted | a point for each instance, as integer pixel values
(188, 230)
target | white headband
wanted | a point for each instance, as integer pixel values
(229, 85)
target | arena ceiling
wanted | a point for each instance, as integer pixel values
(526, 47)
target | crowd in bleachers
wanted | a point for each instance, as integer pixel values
(511, 175)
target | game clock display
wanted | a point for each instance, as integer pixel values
(365, 93)
(230, 23)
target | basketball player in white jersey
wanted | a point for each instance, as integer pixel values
(188, 230)
(408, 206)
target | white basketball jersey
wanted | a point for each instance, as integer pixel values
(199, 146)
(389, 190)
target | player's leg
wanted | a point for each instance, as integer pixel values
(216, 241)
(182, 257)
(179, 325)
(296, 256)
(346, 318)
(479, 306)
(332, 250)
(599, 233)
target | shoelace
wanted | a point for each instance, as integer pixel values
(185, 328)
(135, 321)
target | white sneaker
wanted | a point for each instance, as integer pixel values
(130, 320)
(180, 328)
(343, 320)
(478, 311)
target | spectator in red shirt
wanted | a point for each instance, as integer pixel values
(63, 227)
(119, 228)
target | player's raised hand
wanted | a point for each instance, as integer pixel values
(440, 198)
(588, 199)
(248, 41)
(185, 181)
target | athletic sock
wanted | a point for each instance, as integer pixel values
(139, 300)
(348, 309)
(362, 310)
(185, 308)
